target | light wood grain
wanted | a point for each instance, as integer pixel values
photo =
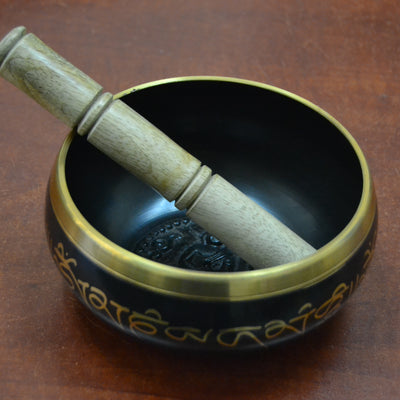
(149, 154)
(142, 149)
(47, 78)
(267, 242)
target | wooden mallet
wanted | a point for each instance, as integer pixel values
(137, 145)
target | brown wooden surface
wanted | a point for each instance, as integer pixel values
(343, 55)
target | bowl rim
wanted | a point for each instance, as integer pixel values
(212, 286)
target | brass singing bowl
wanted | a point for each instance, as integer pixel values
(139, 264)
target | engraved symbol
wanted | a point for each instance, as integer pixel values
(182, 243)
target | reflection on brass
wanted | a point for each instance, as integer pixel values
(237, 286)
(151, 323)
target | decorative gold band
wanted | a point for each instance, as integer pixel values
(236, 286)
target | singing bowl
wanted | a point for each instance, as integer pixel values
(139, 264)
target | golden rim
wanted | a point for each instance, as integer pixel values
(235, 286)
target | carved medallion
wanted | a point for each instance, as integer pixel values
(182, 243)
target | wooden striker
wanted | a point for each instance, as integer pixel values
(141, 148)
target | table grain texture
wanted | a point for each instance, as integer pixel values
(343, 55)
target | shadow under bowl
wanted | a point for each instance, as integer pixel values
(142, 266)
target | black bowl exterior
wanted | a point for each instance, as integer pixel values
(203, 311)
(196, 324)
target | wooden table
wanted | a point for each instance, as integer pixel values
(342, 55)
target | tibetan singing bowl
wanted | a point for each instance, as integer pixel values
(142, 266)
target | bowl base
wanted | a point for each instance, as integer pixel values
(180, 242)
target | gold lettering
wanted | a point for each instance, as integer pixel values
(82, 287)
(150, 321)
(333, 303)
(236, 333)
(304, 318)
(182, 333)
(98, 300)
(65, 265)
(119, 310)
(276, 327)
(145, 323)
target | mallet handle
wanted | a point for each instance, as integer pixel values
(141, 148)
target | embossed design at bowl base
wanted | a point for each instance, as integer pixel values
(180, 242)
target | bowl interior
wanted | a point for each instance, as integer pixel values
(281, 152)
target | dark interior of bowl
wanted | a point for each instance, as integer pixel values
(284, 155)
